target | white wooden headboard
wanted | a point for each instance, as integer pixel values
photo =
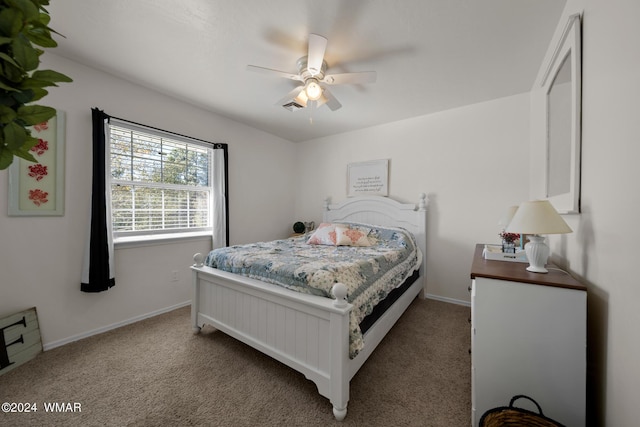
(387, 212)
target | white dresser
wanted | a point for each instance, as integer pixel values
(528, 337)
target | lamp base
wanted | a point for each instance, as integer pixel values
(537, 254)
(537, 269)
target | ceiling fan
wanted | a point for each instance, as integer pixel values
(311, 72)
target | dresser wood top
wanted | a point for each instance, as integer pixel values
(516, 272)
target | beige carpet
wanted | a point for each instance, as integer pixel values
(157, 373)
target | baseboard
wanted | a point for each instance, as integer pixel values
(58, 343)
(449, 300)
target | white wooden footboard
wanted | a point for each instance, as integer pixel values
(308, 333)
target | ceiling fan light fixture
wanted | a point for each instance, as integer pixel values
(301, 98)
(313, 89)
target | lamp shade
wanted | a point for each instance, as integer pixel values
(537, 217)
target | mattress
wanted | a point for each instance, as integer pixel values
(370, 273)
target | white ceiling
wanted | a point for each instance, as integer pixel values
(429, 55)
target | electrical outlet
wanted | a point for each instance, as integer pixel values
(174, 276)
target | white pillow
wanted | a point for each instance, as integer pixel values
(325, 234)
(351, 237)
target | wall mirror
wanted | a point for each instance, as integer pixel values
(562, 85)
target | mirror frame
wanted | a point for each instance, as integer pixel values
(569, 46)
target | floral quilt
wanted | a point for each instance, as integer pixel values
(369, 272)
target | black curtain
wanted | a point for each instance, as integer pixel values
(97, 274)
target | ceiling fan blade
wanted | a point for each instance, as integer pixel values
(350, 78)
(329, 99)
(317, 46)
(269, 71)
(294, 95)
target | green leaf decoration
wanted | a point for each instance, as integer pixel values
(28, 8)
(24, 96)
(45, 19)
(38, 93)
(14, 136)
(6, 157)
(25, 155)
(41, 37)
(50, 75)
(7, 115)
(24, 53)
(24, 31)
(8, 88)
(7, 99)
(14, 74)
(30, 83)
(29, 143)
(34, 114)
(10, 22)
(9, 59)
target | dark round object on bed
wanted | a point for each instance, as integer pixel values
(299, 227)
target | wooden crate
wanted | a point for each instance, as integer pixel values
(19, 339)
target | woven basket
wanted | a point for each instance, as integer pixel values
(513, 416)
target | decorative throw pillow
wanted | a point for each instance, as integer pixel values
(351, 237)
(325, 234)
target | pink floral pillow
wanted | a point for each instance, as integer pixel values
(351, 237)
(325, 234)
(338, 235)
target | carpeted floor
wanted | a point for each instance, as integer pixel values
(157, 373)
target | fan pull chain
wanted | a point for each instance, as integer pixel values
(311, 105)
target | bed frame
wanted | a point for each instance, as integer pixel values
(306, 332)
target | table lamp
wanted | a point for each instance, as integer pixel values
(534, 218)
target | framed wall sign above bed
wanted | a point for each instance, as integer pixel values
(329, 327)
(368, 178)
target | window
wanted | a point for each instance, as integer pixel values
(161, 183)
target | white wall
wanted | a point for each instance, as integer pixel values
(471, 162)
(41, 258)
(603, 249)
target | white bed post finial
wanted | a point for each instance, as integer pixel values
(340, 292)
(198, 259)
(422, 203)
(326, 203)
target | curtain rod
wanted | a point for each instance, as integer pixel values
(215, 144)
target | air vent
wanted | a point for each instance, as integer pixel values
(293, 106)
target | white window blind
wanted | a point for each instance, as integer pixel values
(161, 183)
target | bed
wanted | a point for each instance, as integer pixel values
(309, 333)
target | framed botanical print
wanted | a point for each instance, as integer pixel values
(37, 189)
